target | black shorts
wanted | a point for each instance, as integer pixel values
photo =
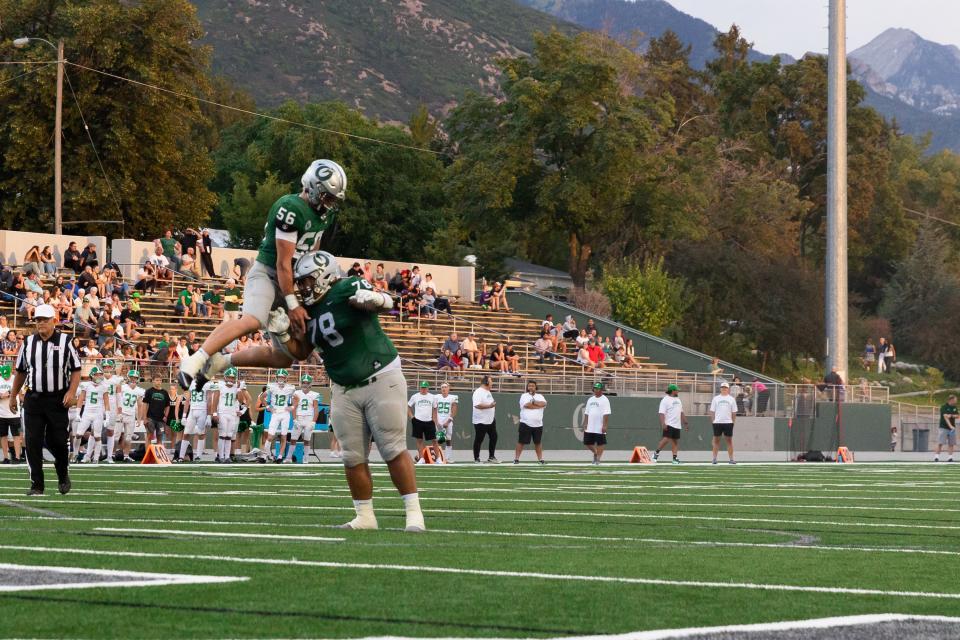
(671, 432)
(424, 429)
(723, 429)
(528, 433)
(9, 427)
(596, 439)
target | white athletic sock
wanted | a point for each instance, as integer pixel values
(201, 445)
(183, 448)
(448, 452)
(96, 451)
(110, 440)
(411, 503)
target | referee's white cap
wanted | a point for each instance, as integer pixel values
(44, 311)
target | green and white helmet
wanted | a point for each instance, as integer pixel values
(230, 375)
(133, 374)
(96, 372)
(325, 183)
(281, 373)
(314, 274)
(108, 364)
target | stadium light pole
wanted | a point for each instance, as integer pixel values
(57, 135)
(836, 289)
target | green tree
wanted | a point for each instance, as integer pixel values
(645, 296)
(245, 210)
(156, 167)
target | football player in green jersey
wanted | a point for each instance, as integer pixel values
(369, 392)
(294, 226)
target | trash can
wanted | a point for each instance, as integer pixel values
(921, 440)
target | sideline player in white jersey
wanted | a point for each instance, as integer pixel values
(225, 399)
(96, 406)
(132, 411)
(305, 419)
(445, 406)
(9, 420)
(114, 382)
(195, 424)
(279, 402)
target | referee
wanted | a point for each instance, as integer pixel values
(50, 366)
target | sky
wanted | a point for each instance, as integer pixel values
(799, 26)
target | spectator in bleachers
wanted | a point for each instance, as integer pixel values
(513, 360)
(368, 271)
(116, 285)
(380, 278)
(498, 359)
(31, 261)
(415, 277)
(6, 279)
(88, 257)
(71, 287)
(161, 263)
(543, 348)
(94, 300)
(206, 254)
(189, 239)
(182, 350)
(629, 356)
(146, 279)
(10, 346)
(19, 289)
(214, 302)
(232, 298)
(596, 354)
(608, 351)
(4, 325)
(583, 357)
(71, 258)
(87, 278)
(90, 351)
(396, 283)
(188, 264)
(186, 302)
(48, 261)
(257, 340)
(65, 306)
(240, 268)
(170, 249)
(485, 296)
(84, 314)
(428, 307)
(619, 344)
(28, 305)
(33, 283)
(243, 342)
(355, 270)
(472, 352)
(498, 297)
(105, 328)
(202, 310)
(457, 359)
(132, 316)
(583, 339)
(142, 355)
(444, 363)
(428, 282)
(452, 343)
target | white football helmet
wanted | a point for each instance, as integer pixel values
(325, 183)
(314, 274)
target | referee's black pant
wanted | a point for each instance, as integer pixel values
(45, 425)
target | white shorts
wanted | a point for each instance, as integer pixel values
(228, 425)
(377, 410)
(126, 424)
(279, 422)
(94, 422)
(195, 424)
(447, 432)
(303, 427)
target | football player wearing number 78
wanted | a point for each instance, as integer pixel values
(294, 225)
(369, 392)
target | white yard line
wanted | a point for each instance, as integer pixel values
(223, 534)
(138, 578)
(427, 568)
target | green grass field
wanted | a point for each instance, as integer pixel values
(525, 551)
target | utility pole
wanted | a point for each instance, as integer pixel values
(836, 289)
(57, 136)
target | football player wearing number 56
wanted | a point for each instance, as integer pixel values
(294, 226)
(369, 390)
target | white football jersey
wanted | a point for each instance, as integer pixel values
(281, 397)
(93, 403)
(305, 402)
(228, 403)
(113, 389)
(444, 406)
(6, 386)
(129, 398)
(198, 399)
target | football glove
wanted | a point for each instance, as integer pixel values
(278, 323)
(370, 300)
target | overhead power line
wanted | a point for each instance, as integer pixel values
(930, 217)
(254, 113)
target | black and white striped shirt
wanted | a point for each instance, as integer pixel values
(47, 364)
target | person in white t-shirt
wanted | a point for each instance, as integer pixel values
(484, 421)
(723, 413)
(672, 421)
(445, 406)
(532, 405)
(596, 418)
(420, 412)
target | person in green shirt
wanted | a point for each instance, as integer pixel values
(367, 383)
(232, 299)
(948, 429)
(169, 245)
(294, 226)
(214, 302)
(186, 304)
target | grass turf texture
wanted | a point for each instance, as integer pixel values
(792, 508)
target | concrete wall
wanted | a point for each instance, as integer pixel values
(15, 244)
(451, 281)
